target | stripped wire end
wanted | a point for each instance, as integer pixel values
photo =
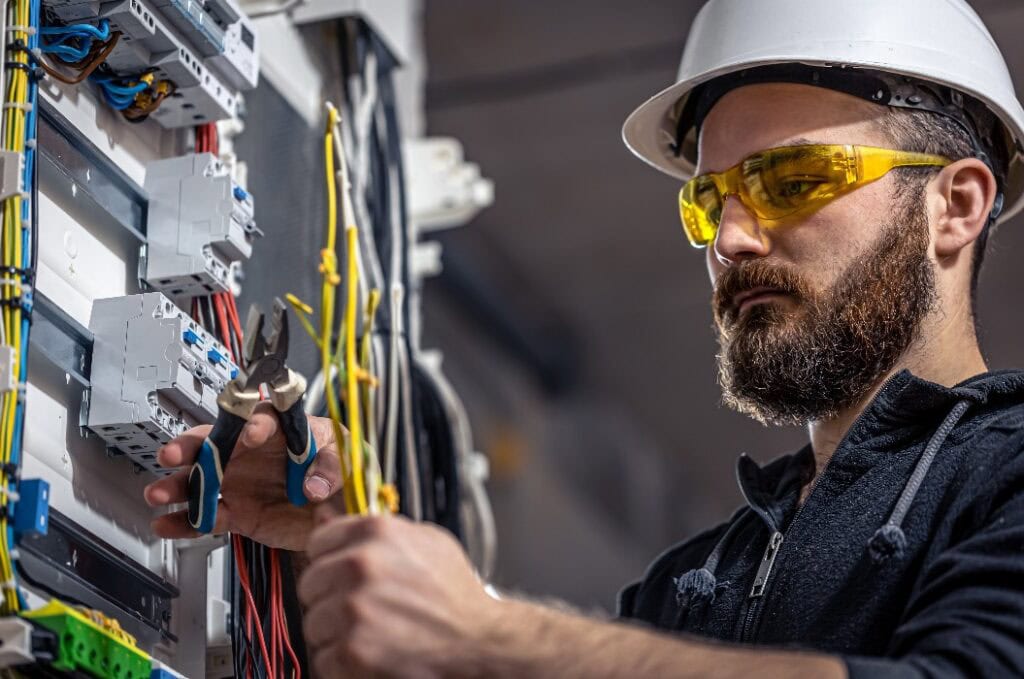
(302, 312)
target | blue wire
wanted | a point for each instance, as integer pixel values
(84, 30)
(31, 120)
(67, 52)
(121, 90)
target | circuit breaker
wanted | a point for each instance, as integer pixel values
(201, 226)
(207, 49)
(155, 373)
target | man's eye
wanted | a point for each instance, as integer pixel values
(792, 188)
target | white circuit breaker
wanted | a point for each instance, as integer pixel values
(200, 226)
(155, 373)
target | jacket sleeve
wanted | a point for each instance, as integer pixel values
(966, 619)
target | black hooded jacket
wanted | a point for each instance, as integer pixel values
(907, 558)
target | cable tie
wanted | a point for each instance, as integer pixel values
(17, 64)
(24, 106)
(15, 28)
(12, 495)
(20, 46)
(15, 554)
(31, 143)
(11, 585)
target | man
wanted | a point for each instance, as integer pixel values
(849, 168)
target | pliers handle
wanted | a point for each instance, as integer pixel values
(235, 407)
(287, 398)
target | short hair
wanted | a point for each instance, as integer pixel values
(928, 132)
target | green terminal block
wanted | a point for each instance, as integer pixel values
(87, 647)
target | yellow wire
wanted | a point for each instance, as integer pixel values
(351, 379)
(14, 130)
(328, 269)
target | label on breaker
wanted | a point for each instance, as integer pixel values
(7, 358)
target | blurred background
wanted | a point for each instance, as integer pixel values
(572, 313)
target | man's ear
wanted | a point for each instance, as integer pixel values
(963, 194)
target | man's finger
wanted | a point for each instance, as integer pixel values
(323, 478)
(168, 490)
(183, 449)
(175, 526)
(262, 426)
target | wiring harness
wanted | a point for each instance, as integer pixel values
(20, 245)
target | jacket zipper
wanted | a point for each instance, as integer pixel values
(764, 570)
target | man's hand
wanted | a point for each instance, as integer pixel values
(389, 597)
(253, 499)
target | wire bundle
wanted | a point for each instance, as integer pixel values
(19, 244)
(262, 635)
(83, 48)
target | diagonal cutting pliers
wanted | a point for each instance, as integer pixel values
(266, 365)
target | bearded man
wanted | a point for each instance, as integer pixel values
(843, 170)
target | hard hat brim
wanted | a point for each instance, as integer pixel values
(650, 130)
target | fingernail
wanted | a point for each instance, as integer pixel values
(317, 487)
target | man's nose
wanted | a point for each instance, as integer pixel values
(740, 234)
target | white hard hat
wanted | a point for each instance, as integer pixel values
(937, 42)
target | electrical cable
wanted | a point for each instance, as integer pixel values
(285, 7)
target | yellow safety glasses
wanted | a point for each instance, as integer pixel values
(785, 181)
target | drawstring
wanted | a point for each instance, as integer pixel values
(889, 540)
(697, 585)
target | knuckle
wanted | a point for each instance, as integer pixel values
(360, 652)
(358, 567)
(376, 527)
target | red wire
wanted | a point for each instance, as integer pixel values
(282, 617)
(226, 310)
(222, 323)
(243, 580)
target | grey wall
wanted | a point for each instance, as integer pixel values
(583, 250)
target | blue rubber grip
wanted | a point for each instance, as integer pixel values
(207, 471)
(204, 488)
(301, 451)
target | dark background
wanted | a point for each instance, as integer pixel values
(573, 313)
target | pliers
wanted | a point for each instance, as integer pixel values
(266, 365)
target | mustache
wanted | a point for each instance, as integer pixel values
(748, 276)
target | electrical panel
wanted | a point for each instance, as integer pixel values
(155, 372)
(133, 229)
(207, 50)
(200, 227)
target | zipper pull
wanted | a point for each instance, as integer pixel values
(767, 561)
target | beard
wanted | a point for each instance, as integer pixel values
(825, 353)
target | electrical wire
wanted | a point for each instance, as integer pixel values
(283, 8)
(260, 632)
(18, 243)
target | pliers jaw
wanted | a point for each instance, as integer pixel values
(266, 357)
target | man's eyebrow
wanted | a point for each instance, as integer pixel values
(803, 141)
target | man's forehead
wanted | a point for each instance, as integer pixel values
(756, 117)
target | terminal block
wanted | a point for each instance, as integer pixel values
(88, 647)
(150, 42)
(155, 373)
(200, 224)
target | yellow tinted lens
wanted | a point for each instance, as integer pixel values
(783, 181)
(700, 208)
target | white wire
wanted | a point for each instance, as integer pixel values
(284, 7)
(391, 433)
(471, 475)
